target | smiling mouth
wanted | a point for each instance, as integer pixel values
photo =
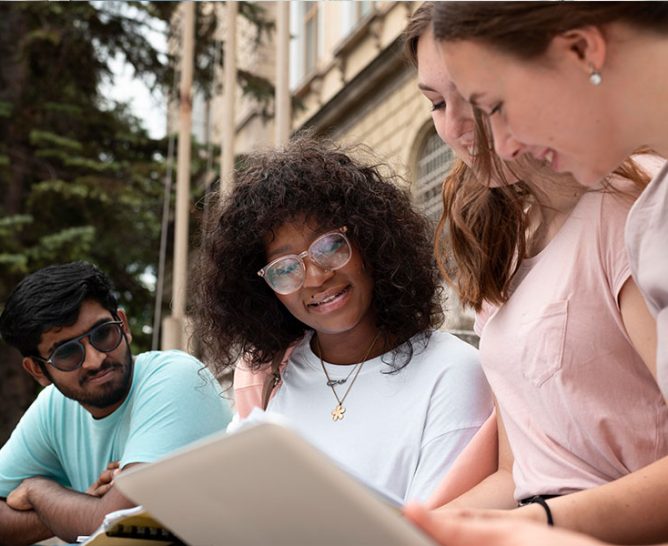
(330, 298)
(547, 157)
(99, 375)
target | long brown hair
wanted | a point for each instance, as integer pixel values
(525, 29)
(481, 236)
(418, 24)
(481, 229)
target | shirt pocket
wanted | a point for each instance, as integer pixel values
(544, 331)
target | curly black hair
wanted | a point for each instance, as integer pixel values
(51, 297)
(235, 312)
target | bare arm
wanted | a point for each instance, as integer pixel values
(21, 528)
(495, 491)
(67, 513)
(630, 510)
(639, 323)
(492, 530)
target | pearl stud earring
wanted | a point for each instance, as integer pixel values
(595, 77)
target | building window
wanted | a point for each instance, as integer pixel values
(362, 8)
(434, 161)
(305, 42)
(309, 19)
(353, 12)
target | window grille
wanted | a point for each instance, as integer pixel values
(434, 162)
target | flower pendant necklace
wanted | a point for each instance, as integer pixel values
(338, 412)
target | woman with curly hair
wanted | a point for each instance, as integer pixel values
(318, 275)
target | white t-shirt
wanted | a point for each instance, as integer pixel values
(401, 431)
(647, 245)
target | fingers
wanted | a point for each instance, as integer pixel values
(425, 520)
(107, 476)
(102, 485)
(490, 529)
(102, 490)
(18, 499)
(109, 473)
(463, 527)
(105, 481)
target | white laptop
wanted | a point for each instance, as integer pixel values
(264, 486)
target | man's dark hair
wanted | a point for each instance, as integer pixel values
(49, 298)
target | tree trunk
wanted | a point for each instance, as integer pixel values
(13, 76)
(17, 388)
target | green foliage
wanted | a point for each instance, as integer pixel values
(45, 138)
(79, 176)
(5, 109)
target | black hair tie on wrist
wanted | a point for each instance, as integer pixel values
(540, 500)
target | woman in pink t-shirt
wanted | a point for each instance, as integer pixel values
(566, 340)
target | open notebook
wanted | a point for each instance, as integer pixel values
(264, 486)
(130, 527)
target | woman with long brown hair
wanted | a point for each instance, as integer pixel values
(576, 84)
(564, 330)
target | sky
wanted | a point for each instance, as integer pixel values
(125, 87)
(151, 109)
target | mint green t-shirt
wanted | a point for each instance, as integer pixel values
(172, 402)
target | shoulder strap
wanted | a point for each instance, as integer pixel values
(272, 379)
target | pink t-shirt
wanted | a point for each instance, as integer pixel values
(579, 405)
(647, 244)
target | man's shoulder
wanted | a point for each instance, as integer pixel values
(48, 413)
(50, 399)
(172, 357)
(171, 367)
(174, 382)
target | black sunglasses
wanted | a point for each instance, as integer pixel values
(71, 355)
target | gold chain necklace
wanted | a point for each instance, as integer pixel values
(333, 382)
(339, 410)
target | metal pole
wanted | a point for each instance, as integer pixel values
(282, 98)
(174, 331)
(160, 281)
(230, 88)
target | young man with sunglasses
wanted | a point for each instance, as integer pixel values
(100, 406)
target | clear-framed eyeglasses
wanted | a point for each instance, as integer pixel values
(286, 274)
